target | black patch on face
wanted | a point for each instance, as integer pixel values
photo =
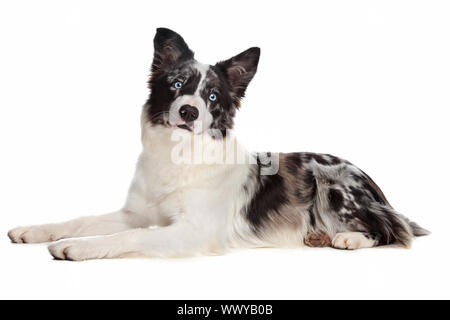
(335, 199)
(269, 198)
(191, 84)
(158, 103)
(223, 109)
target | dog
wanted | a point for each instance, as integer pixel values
(183, 203)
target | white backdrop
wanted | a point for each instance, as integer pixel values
(365, 80)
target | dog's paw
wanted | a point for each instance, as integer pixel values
(351, 240)
(76, 250)
(32, 234)
(319, 239)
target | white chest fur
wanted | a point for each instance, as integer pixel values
(164, 190)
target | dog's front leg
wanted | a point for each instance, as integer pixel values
(179, 239)
(82, 227)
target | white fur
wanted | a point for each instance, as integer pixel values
(196, 208)
(352, 240)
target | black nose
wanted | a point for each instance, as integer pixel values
(188, 113)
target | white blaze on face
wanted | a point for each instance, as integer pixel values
(205, 118)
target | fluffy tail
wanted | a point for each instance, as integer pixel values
(391, 226)
(404, 236)
(386, 222)
(417, 230)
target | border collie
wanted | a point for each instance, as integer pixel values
(196, 190)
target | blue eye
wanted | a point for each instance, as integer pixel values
(212, 97)
(178, 85)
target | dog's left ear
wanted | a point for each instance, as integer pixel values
(240, 70)
(170, 49)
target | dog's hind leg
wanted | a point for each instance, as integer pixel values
(82, 227)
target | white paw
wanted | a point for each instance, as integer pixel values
(77, 250)
(351, 240)
(32, 234)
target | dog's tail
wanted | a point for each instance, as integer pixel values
(417, 230)
(407, 229)
(400, 227)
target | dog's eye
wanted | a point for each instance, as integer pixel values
(212, 97)
(178, 85)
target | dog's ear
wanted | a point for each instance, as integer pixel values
(240, 69)
(170, 49)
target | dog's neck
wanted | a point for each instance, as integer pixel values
(202, 149)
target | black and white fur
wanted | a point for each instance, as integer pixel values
(208, 208)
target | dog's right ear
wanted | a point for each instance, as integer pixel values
(170, 49)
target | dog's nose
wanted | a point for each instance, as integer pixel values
(188, 113)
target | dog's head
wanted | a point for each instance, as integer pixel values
(191, 95)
